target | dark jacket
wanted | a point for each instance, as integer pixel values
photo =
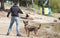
(14, 10)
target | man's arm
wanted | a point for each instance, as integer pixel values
(9, 13)
(20, 11)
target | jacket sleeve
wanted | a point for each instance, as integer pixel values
(20, 11)
(9, 12)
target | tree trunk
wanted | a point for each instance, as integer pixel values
(27, 3)
(2, 4)
(32, 3)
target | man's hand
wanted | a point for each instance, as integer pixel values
(29, 17)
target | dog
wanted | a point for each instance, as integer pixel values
(29, 28)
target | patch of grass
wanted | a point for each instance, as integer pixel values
(35, 6)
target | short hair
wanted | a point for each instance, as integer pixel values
(15, 3)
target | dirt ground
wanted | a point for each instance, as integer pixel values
(42, 33)
(4, 22)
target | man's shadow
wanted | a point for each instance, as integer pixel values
(7, 35)
(11, 35)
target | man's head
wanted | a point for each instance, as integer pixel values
(17, 4)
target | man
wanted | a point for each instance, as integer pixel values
(14, 10)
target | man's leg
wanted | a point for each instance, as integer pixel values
(10, 27)
(17, 26)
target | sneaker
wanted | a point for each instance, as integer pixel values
(18, 34)
(7, 34)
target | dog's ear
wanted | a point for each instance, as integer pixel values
(39, 26)
(24, 22)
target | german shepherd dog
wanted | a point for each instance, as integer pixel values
(29, 28)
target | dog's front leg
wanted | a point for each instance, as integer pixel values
(35, 32)
(28, 32)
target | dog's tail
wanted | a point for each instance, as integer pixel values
(39, 26)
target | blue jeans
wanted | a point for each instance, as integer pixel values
(11, 24)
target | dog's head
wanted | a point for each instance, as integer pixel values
(25, 22)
